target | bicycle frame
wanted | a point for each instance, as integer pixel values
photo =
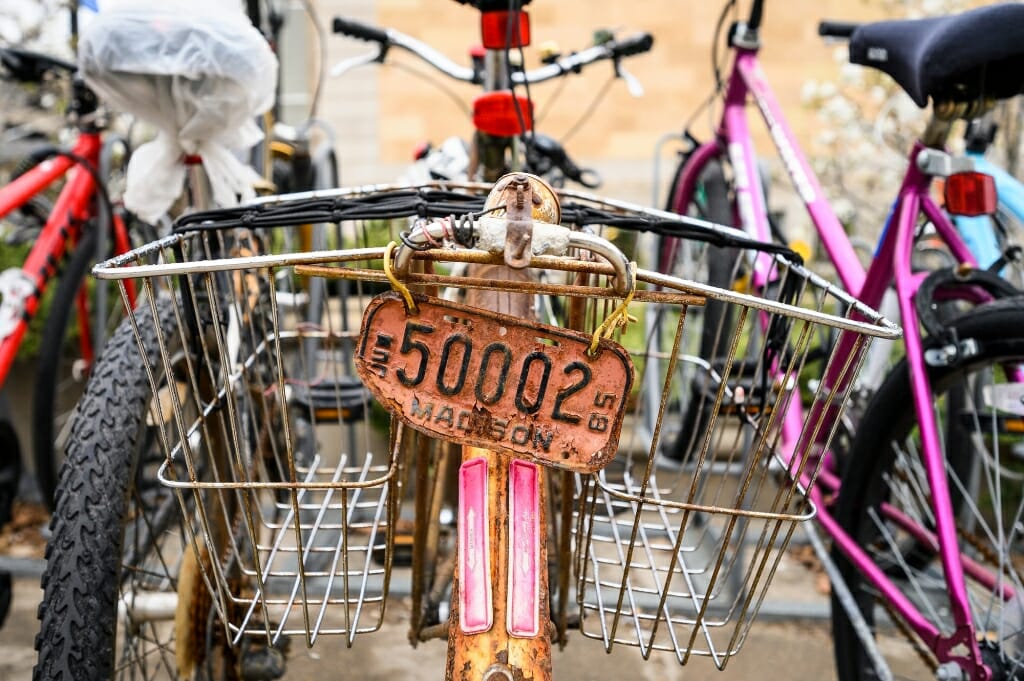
(23, 289)
(891, 265)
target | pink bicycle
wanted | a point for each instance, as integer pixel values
(927, 525)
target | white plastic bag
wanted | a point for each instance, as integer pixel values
(199, 72)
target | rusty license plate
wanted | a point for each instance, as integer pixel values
(486, 379)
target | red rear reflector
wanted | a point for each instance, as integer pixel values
(421, 151)
(970, 194)
(495, 113)
(494, 27)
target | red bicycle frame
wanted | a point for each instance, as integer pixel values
(22, 289)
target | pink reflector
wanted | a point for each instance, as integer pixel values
(523, 550)
(475, 612)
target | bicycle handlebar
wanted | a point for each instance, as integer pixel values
(638, 43)
(361, 31)
(837, 29)
(614, 49)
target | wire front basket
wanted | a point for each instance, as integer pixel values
(677, 541)
(284, 468)
(291, 475)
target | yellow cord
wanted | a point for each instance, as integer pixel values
(619, 318)
(410, 304)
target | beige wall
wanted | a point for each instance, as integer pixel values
(621, 135)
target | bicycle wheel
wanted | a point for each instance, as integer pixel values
(61, 368)
(117, 569)
(706, 264)
(885, 497)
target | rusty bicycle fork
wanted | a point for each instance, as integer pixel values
(500, 619)
(500, 622)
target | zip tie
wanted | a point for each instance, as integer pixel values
(619, 318)
(396, 284)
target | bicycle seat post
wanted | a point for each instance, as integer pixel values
(198, 189)
(944, 113)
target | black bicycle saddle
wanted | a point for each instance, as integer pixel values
(979, 53)
(31, 67)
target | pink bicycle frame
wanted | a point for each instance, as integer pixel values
(73, 207)
(892, 265)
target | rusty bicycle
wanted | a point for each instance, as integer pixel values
(251, 491)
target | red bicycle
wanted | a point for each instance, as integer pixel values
(82, 225)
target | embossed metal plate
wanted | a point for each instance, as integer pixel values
(490, 380)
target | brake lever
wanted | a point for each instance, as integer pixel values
(633, 84)
(346, 65)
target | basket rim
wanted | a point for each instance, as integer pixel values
(125, 266)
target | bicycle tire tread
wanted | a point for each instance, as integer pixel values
(80, 582)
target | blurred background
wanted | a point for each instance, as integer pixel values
(382, 115)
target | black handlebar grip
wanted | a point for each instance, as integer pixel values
(837, 29)
(359, 30)
(634, 44)
(493, 5)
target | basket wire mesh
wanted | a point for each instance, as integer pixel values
(284, 468)
(678, 540)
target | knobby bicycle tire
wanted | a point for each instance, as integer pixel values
(58, 387)
(875, 463)
(106, 490)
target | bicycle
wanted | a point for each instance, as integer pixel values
(504, 137)
(896, 518)
(82, 226)
(275, 513)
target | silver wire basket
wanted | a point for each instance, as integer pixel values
(677, 541)
(285, 469)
